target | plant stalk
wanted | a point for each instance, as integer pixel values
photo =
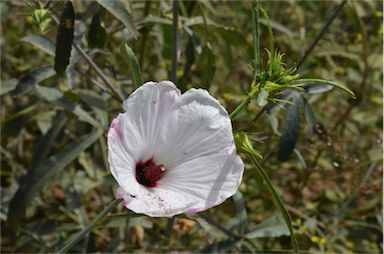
(256, 37)
(175, 20)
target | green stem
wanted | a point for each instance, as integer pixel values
(256, 49)
(90, 226)
(256, 36)
(175, 20)
(245, 102)
(269, 26)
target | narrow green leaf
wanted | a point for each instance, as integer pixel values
(137, 79)
(42, 42)
(8, 86)
(241, 210)
(93, 99)
(262, 174)
(309, 116)
(45, 145)
(37, 179)
(315, 89)
(120, 12)
(311, 82)
(189, 61)
(272, 227)
(64, 38)
(290, 133)
(209, 67)
(276, 198)
(300, 158)
(220, 246)
(150, 20)
(76, 238)
(274, 123)
(30, 80)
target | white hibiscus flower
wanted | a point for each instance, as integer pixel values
(173, 153)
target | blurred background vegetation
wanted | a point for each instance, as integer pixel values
(53, 153)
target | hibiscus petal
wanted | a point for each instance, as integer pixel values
(132, 135)
(121, 154)
(147, 108)
(191, 187)
(197, 126)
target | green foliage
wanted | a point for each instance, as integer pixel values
(137, 79)
(57, 190)
(42, 18)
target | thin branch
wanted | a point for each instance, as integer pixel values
(321, 33)
(95, 82)
(104, 78)
(115, 94)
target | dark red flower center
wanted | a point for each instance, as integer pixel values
(148, 173)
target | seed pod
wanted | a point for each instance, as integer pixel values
(64, 38)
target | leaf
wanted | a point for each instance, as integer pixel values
(48, 93)
(37, 179)
(261, 173)
(274, 123)
(58, 98)
(129, 56)
(42, 42)
(97, 35)
(44, 146)
(43, 18)
(309, 116)
(291, 131)
(189, 61)
(315, 89)
(119, 11)
(243, 144)
(220, 246)
(93, 99)
(64, 38)
(134, 220)
(209, 67)
(8, 86)
(238, 198)
(272, 227)
(300, 158)
(311, 82)
(76, 238)
(149, 20)
(30, 80)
